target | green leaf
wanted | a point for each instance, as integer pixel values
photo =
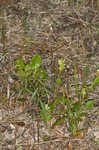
(20, 64)
(76, 79)
(89, 104)
(59, 81)
(73, 126)
(82, 114)
(58, 121)
(46, 139)
(83, 92)
(45, 112)
(28, 68)
(53, 105)
(40, 74)
(95, 82)
(67, 102)
(22, 99)
(33, 92)
(77, 106)
(61, 65)
(79, 119)
(21, 74)
(36, 62)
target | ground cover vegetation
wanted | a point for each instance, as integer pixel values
(49, 74)
(33, 81)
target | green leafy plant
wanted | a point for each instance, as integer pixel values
(32, 77)
(74, 110)
(45, 112)
(33, 80)
(61, 68)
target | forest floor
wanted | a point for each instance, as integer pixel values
(54, 30)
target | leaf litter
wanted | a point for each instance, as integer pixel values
(53, 30)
